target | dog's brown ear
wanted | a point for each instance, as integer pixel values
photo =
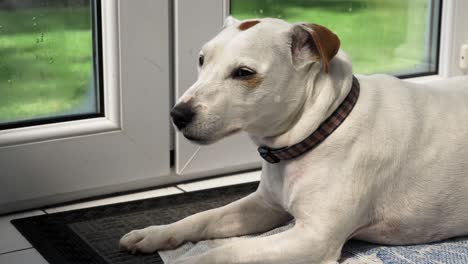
(312, 42)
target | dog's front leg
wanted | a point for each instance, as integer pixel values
(252, 214)
(299, 245)
(321, 230)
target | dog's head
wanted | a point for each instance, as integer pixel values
(252, 77)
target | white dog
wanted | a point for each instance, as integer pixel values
(395, 171)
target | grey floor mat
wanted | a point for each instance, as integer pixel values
(91, 235)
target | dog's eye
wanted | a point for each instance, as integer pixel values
(243, 72)
(201, 60)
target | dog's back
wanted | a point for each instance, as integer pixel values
(419, 136)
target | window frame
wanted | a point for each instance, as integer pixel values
(453, 35)
(108, 120)
(98, 82)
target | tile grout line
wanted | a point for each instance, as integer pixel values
(23, 249)
(177, 187)
(44, 209)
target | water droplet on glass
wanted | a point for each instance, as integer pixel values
(261, 11)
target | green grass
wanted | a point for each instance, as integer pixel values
(45, 62)
(46, 54)
(374, 33)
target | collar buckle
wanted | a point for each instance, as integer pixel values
(267, 155)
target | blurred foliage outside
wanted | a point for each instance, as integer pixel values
(45, 61)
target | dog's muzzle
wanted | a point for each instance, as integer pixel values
(182, 114)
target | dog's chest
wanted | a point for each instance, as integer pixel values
(285, 182)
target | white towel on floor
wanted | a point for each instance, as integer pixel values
(192, 249)
(454, 251)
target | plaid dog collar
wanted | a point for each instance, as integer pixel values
(319, 135)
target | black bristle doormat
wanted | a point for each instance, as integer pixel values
(91, 235)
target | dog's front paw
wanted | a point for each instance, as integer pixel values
(148, 240)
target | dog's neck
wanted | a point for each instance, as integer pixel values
(325, 92)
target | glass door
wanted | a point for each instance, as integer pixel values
(84, 99)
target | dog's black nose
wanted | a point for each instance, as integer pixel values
(182, 114)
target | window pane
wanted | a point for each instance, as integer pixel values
(47, 70)
(399, 37)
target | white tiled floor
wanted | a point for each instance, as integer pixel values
(28, 256)
(14, 249)
(10, 238)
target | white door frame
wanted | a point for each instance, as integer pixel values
(453, 35)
